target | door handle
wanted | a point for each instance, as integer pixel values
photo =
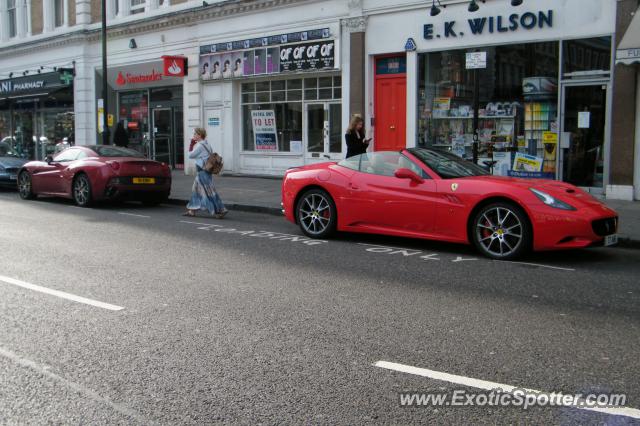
(392, 127)
(352, 186)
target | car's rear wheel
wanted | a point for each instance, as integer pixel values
(501, 231)
(316, 213)
(82, 191)
(25, 187)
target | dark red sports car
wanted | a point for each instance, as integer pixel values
(430, 194)
(90, 173)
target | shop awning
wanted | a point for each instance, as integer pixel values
(629, 48)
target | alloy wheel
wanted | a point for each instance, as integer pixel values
(500, 231)
(314, 213)
(24, 185)
(81, 191)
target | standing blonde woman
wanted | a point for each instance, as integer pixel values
(203, 193)
(355, 137)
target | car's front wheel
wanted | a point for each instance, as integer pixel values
(501, 231)
(25, 188)
(316, 213)
(82, 190)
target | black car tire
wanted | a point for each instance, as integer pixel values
(501, 231)
(316, 214)
(81, 190)
(25, 186)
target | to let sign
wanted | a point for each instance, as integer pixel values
(264, 130)
(476, 60)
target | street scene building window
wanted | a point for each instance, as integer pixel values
(11, 18)
(59, 13)
(138, 6)
(302, 106)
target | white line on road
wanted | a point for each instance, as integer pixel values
(44, 370)
(491, 386)
(134, 215)
(60, 294)
(540, 266)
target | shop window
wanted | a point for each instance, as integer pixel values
(134, 113)
(285, 98)
(58, 13)
(518, 97)
(587, 55)
(11, 18)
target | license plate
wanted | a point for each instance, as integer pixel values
(610, 240)
(13, 177)
(144, 180)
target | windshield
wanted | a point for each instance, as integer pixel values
(115, 151)
(7, 151)
(447, 165)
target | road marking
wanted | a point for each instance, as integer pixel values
(135, 215)
(490, 386)
(44, 370)
(540, 265)
(60, 294)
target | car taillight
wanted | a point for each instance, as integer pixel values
(114, 165)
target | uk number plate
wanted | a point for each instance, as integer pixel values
(144, 180)
(610, 240)
(13, 177)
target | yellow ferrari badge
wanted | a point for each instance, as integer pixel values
(454, 187)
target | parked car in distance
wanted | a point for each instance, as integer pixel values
(430, 194)
(99, 172)
(10, 163)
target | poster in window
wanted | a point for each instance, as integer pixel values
(205, 67)
(260, 61)
(238, 67)
(248, 62)
(264, 130)
(307, 56)
(216, 67)
(227, 64)
(273, 60)
(527, 163)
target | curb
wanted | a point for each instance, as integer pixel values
(275, 211)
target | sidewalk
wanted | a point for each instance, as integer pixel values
(262, 195)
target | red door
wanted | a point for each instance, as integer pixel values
(390, 113)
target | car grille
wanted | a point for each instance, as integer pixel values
(604, 227)
(11, 170)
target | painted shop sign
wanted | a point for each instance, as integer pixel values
(308, 56)
(35, 84)
(491, 25)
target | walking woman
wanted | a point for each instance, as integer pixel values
(355, 137)
(203, 193)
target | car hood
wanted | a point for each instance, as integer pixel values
(10, 162)
(561, 190)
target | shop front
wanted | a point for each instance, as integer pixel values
(524, 91)
(286, 94)
(149, 110)
(37, 113)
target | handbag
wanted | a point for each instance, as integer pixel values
(214, 163)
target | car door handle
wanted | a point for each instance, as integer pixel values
(352, 186)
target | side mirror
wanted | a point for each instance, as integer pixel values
(49, 159)
(404, 173)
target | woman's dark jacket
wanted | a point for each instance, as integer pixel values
(355, 144)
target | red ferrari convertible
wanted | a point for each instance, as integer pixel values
(430, 194)
(90, 173)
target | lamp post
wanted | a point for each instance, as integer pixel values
(105, 102)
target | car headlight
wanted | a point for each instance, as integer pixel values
(551, 201)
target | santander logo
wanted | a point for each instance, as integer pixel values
(174, 69)
(138, 78)
(120, 81)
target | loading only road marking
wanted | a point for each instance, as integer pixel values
(134, 215)
(60, 294)
(405, 252)
(539, 397)
(279, 236)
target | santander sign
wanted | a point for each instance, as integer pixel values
(128, 78)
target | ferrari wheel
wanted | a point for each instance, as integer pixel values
(501, 231)
(82, 190)
(24, 186)
(316, 213)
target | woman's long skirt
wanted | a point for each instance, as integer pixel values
(204, 195)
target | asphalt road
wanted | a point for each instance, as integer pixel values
(244, 321)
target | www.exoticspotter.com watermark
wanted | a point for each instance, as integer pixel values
(519, 398)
